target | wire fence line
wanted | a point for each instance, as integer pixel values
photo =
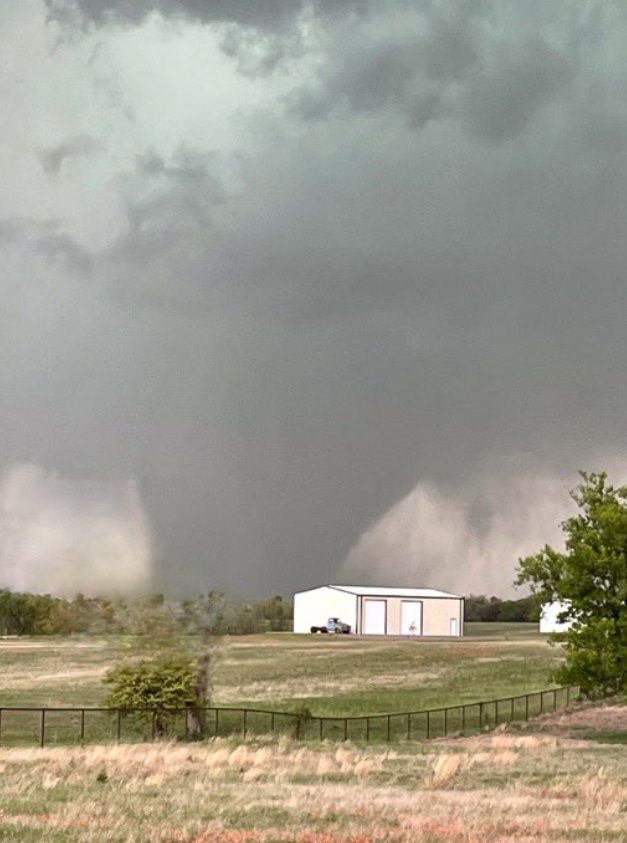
(45, 726)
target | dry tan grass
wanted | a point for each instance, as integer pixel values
(496, 788)
(585, 718)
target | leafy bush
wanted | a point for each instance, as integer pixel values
(159, 683)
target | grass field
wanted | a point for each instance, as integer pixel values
(332, 675)
(544, 784)
(559, 779)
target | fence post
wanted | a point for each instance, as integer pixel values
(463, 718)
(216, 722)
(389, 726)
(541, 702)
(481, 715)
(321, 722)
(297, 727)
(82, 727)
(445, 722)
(154, 724)
(409, 727)
(526, 706)
(42, 728)
(428, 725)
(511, 713)
(568, 696)
(118, 725)
(367, 728)
(346, 728)
(245, 723)
(555, 699)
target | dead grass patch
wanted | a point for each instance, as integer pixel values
(495, 788)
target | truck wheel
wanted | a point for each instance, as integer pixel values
(314, 629)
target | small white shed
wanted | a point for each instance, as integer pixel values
(550, 617)
(372, 610)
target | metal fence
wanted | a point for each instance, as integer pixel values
(79, 726)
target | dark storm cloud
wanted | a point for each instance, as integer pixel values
(52, 159)
(169, 199)
(269, 14)
(396, 325)
(284, 339)
(264, 14)
(446, 62)
(502, 101)
(160, 257)
(59, 246)
(48, 240)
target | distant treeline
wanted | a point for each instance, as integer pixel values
(487, 609)
(43, 614)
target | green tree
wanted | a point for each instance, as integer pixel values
(590, 577)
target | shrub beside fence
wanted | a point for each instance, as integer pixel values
(79, 726)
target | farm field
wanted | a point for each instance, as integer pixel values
(552, 782)
(331, 675)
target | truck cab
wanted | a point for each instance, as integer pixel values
(333, 625)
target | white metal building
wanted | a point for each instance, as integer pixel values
(549, 617)
(381, 611)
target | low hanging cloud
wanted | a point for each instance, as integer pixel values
(63, 537)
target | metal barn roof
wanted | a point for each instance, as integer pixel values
(380, 591)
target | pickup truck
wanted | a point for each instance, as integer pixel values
(333, 625)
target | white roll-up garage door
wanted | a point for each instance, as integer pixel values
(411, 617)
(374, 617)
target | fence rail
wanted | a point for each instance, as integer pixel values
(21, 726)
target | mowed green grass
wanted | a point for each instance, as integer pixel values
(331, 675)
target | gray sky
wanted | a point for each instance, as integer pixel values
(292, 266)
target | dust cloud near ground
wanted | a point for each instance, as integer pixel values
(467, 540)
(67, 536)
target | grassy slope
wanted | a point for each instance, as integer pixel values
(331, 675)
(340, 676)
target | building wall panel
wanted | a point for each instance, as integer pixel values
(316, 606)
(437, 615)
(375, 616)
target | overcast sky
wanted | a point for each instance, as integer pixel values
(306, 271)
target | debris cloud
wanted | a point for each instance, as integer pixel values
(63, 536)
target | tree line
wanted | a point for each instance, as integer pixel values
(44, 614)
(493, 609)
